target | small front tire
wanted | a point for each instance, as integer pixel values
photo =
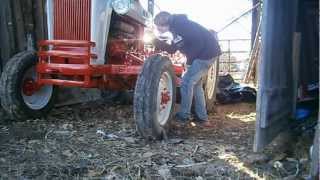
(154, 97)
(15, 83)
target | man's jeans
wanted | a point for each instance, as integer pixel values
(192, 87)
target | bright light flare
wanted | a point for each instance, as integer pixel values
(147, 38)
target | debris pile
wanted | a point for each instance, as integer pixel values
(231, 92)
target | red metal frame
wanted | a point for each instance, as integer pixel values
(67, 63)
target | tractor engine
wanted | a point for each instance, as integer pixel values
(125, 45)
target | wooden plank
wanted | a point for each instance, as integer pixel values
(254, 55)
(314, 169)
(10, 21)
(274, 97)
(252, 70)
(1, 65)
(19, 25)
(295, 69)
(7, 47)
(27, 12)
(40, 20)
(6, 44)
(255, 19)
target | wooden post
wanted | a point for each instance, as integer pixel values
(19, 19)
(27, 8)
(19, 25)
(295, 69)
(27, 11)
(8, 45)
(4, 34)
(40, 20)
(255, 19)
(274, 97)
(229, 57)
(254, 56)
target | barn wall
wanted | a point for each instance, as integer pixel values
(308, 26)
(275, 96)
(23, 23)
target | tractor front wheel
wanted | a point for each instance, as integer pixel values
(154, 97)
(19, 94)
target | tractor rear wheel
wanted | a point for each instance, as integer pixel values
(210, 85)
(18, 93)
(154, 97)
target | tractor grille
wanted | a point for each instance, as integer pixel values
(72, 19)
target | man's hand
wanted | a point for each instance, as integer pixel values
(158, 44)
(163, 46)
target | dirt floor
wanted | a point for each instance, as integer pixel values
(99, 141)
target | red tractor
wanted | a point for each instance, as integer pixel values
(96, 44)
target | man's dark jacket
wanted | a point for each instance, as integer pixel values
(193, 40)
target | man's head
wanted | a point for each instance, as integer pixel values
(162, 21)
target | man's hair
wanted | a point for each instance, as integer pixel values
(162, 18)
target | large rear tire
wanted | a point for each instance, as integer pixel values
(210, 85)
(154, 97)
(19, 74)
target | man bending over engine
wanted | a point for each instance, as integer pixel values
(201, 49)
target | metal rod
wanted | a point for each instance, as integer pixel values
(236, 19)
(229, 53)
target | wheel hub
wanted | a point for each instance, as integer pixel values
(211, 78)
(165, 96)
(165, 93)
(29, 87)
(35, 96)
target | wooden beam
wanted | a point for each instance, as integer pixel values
(274, 97)
(40, 20)
(255, 19)
(19, 25)
(295, 69)
(254, 56)
(7, 47)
